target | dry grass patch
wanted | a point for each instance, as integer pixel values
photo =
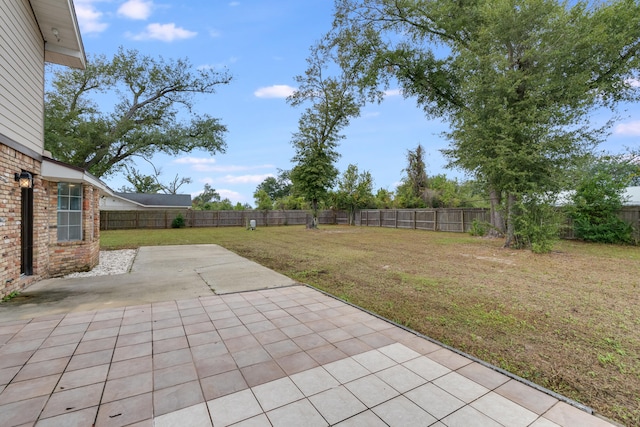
(567, 320)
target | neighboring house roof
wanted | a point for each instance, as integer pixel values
(59, 27)
(158, 200)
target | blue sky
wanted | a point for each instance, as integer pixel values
(264, 45)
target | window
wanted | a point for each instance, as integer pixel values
(69, 211)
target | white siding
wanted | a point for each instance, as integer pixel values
(21, 75)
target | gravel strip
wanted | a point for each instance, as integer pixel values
(111, 262)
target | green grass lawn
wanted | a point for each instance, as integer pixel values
(567, 320)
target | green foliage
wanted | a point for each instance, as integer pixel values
(478, 228)
(207, 197)
(516, 79)
(315, 142)
(178, 222)
(277, 187)
(152, 93)
(537, 224)
(354, 191)
(263, 201)
(595, 206)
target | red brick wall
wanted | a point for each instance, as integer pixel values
(50, 257)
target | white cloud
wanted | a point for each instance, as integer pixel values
(194, 160)
(89, 18)
(245, 179)
(234, 196)
(135, 9)
(275, 91)
(392, 92)
(163, 32)
(633, 82)
(628, 129)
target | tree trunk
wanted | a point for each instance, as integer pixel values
(511, 229)
(314, 214)
(497, 219)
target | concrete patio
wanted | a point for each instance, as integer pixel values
(287, 355)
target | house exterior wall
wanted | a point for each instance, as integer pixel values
(82, 255)
(21, 77)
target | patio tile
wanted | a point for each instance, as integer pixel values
(221, 314)
(275, 314)
(353, 346)
(336, 404)
(504, 410)
(193, 311)
(52, 352)
(257, 421)
(82, 377)
(250, 356)
(268, 337)
(241, 343)
(196, 319)
(203, 338)
(39, 369)
(101, 333)
(449, 359)
(282, 348)
(55, 340)
(371, 390)
(27, 389)
(526, 396)
(307, 342)
(400, 412)
(83, 417)
(483, 375)
(399, 352)
(296, 330)
(376, 340)
(419, 344)
(461, 387)
(227, 322)
(209, 366)
(300, 413)
(130, 367)
(314, 381)
(172, 358)
(208, 350)
(170, 344)
(132, 385)
(233, 408)
(69, 329)
(567, 415)
(134, 338)
(87, 360)
(163, 334)
(177, 397)
(125, 411)
(174, 375)
(296, 362)
(96, 345)
(334, 335)
(426, 368)
(135, 328)
(401, 378)
(363, 419)
(261, 326)
(23, 411)
(262, 373)
(285, 321)
(434, 400)
(15, 359)
(346, 370)
(7, 374)
(76, 399)
(132, 351)
(233, 332)
(252, 318)
(468, 416)
(373, 360)
(104, 324)
(197, 328)
(168, 323)
(326, 354)
(192, 416)
(275, 394)
(223, 384)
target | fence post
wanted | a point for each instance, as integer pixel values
(462, 211)
(396, 218)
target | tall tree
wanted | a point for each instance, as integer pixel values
(209, 195)
(150, 93)
(516, 79)
(276, 187)
(151, 183)
(354, 191)
(315, 142)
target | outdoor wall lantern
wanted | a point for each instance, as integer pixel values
(25, 180)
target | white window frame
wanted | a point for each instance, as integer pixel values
(69, 215)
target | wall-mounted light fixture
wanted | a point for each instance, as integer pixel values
(25, 180)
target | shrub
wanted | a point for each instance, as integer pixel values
(178, 222)
(478, 228)
(537, 225)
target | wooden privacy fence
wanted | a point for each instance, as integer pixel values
(123, 220)
(449, 219)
